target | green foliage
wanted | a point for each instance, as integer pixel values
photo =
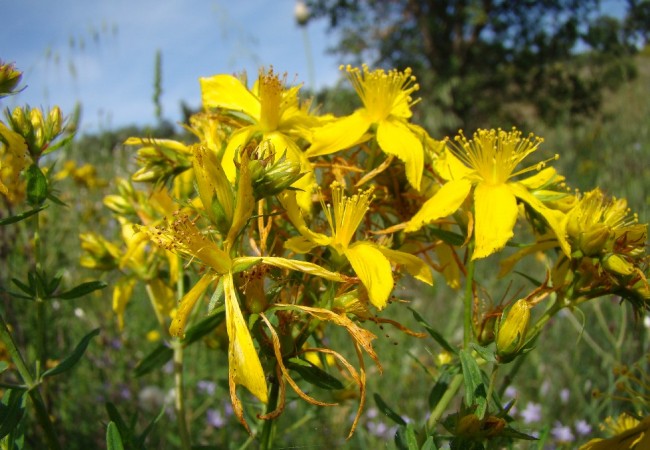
(482, 64)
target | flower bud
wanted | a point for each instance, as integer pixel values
(301, 13)
(9, 78)
(511, 335)
(594, 240)
(617, 264)
(273, 178)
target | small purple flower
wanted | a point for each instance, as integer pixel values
(207, 387)
(215, 418)
(562, 433)
(582, 427)
(532, 412)
(564, 396)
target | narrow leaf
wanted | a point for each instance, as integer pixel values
(157, 358)
(11, 411)
(81, 290)
(314, 375)
(23, 287)
(434, 334)
(113, 438)
(205, 326)
(385, 409)
(21, 216)
(447, 236)
(72, 359)
(429, 444)
(125, 431)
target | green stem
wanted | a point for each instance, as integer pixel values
(41, 335)
(440, 408)
(268, 431)
(33, 387)
(493, 380)
(179, 401)
(468, 303)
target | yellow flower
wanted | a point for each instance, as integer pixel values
(370, 262)
(270, 110)
(629, 434)
(487, 164)
(387, 102)
(14, 157)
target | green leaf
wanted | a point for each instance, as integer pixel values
(12, 410)
(81, 290)
(143, 436)
(487, 353)
(29, 290)
(113, 438)
(447, 236)
(4, 365)
(314, 375)
(475, 392)
(386, 410)
(21, 216)
(204, 327)
(72, 359)
(434, 334)
(59, 144)
(36, 185)
(217, 297)
(405, 438)
(157, 358)
(429, 444)
(125, 431)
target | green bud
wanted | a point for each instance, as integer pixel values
(9, 78)
(511, 335)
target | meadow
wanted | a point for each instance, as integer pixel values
(553, 389)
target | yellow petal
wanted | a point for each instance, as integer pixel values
(186, 305)
(496, 212)
(299, 244)
(445, 202)
(374, 271)
(413, 265)
(338, 135)
(302, 266)
(450, 168)
(238, 140)
(542, 179)
(395, 138)
(553, 217)
(244, 203)
(244, 367)
(226, 91)
(121, 296)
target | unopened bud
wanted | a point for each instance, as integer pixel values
(594, 240)
(617, 264)
(511, 336)
(9, 78)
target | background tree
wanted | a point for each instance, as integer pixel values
(484, 62)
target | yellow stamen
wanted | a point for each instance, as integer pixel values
(383, 93)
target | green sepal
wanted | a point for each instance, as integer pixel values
(313, 374)
(155, 359)
(71, 360)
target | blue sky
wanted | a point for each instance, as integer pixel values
(101, 52)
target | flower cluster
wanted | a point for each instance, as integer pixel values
(293, 222)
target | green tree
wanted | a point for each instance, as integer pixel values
(483, 62)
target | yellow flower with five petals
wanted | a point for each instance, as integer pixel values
(387, 102)
(487, 165)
